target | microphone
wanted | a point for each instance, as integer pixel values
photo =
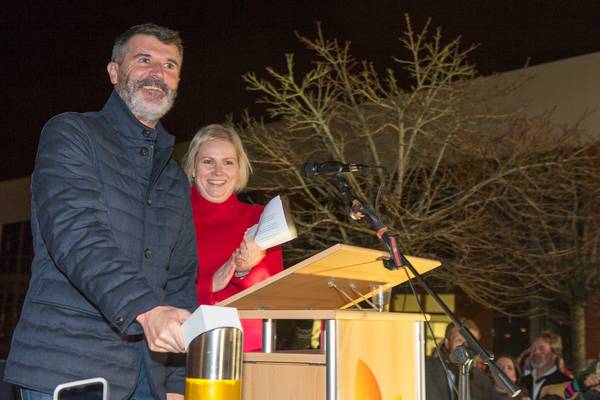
(312, 168)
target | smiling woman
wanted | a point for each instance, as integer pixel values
(228, 260)
(217, 170)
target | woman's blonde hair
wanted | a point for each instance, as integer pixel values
(218, 132)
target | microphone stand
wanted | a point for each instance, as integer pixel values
(463, 356)
(397, 261)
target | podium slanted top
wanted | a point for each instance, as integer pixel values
(336, 278)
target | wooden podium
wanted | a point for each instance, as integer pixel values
(367, 354)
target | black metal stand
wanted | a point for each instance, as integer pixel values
(397, 261)
(463, 356)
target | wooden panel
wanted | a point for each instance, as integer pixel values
(297, 357)
(376, 357)
(312, 283)
(277, 381)
(331, 314)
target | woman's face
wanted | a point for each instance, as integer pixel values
(507, 366)
(217, 170)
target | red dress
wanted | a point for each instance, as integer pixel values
(220, 229)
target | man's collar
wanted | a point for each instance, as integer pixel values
(125, 122)
(548, 372)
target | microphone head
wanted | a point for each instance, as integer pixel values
(308, 169)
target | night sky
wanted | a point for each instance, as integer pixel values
(56, 51)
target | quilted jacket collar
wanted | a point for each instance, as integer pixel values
(121, 118)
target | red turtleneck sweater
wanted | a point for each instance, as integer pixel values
(220, 228)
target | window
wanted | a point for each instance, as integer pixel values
(408, 303)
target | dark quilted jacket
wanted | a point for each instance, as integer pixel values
(113, 237)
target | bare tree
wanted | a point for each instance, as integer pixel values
(552, 216)
(487, 193)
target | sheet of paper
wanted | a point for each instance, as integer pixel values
(275, 225)
(206, 318)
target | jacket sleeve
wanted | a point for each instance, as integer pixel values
(73, 221)
(481, 385)
(181, 291)
(436, 382)
(183, 266)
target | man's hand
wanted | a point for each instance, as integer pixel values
(174, 396)
(162, 328)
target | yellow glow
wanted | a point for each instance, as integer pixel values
(205, 389)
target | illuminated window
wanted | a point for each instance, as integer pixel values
(438, 321)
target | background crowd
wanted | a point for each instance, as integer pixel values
(539, 372)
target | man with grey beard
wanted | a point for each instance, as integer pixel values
(115, 264)
(544, 356)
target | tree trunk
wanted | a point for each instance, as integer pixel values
(578, 335)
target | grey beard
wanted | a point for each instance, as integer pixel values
(129, 92)
(537, 364)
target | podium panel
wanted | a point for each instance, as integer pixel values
(372, 356)
(336, 278)
(380, 359)
(368, 355)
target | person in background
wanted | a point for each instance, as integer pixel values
(442, 386)
(563, 368)
(114, 272)
(523, 362)
(587, 383)
(229, 260)
(544, 356)
(508, 366)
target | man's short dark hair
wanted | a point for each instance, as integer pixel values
(165, 35)
(469, 324)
